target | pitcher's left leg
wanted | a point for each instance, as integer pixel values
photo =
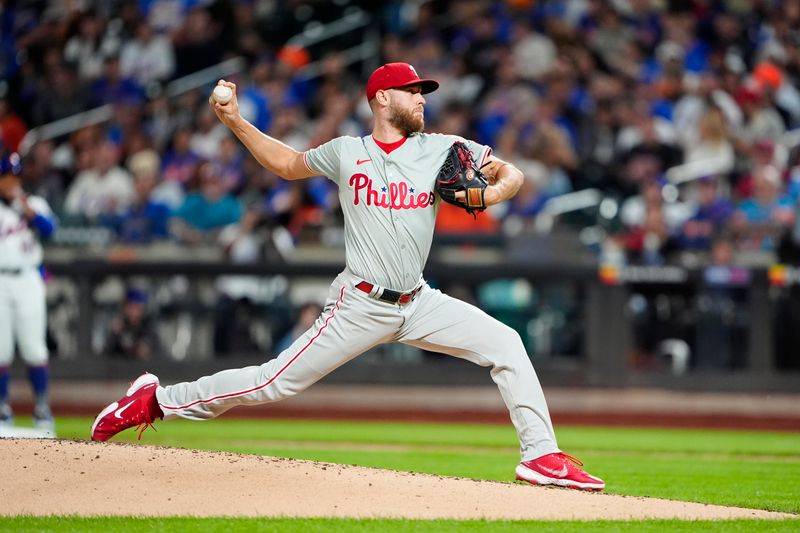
(440, 323)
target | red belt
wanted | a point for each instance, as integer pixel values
(388, 295)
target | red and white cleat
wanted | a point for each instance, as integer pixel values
(137, 408)
(558, 469)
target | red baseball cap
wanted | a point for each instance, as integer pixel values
(394, 76)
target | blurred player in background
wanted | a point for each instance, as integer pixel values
(23, 221)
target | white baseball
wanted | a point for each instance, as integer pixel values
(222, 94)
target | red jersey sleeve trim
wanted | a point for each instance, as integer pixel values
(486, 153)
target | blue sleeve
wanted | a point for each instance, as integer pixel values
(43, 225)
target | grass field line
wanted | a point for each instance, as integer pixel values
(451, 448)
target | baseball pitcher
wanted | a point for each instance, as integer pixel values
(391, 184)
(23, 310)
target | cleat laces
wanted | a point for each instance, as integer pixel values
(573, 460)
(141, 428)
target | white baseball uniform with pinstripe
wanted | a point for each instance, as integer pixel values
(389, 210)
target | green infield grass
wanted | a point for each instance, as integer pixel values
(263, 525)
(758, 470)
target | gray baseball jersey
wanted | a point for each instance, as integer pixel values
(389, 211)
(388, 201)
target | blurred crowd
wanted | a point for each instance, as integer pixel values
(681, 112)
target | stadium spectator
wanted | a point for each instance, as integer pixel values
(641, 128)
(207, 136)
(12, 127)
(651, 138)
(132, 333)
(612, 39)
(534, 52)
(580, 93)
(41, 177)
(529, 201)
(761, 120)
(699, 94)
(206, 210)
(147, 58)
(650, 242)
(290, 121)
(64, 94)
(551, 147)
(146, 220)
(180, 161)
(197, 42)
(760, 221)
(247, 37)
(91, 46)
(102, 189)
(713, 152)
(720, 311)
(634, 209)
(334, 80)
(762, 154)
(709, 219)
(126, 129)
(507, 97)
(254, 98)
(111, 87)
(230, 162)
(165, 16)
(596, 138)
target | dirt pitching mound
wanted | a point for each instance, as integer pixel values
(59, 477)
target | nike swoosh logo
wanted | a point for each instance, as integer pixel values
(556, 473)
(118, 412)
(362, 161)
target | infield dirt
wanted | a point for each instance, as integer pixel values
(66, 477)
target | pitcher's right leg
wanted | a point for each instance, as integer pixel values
(350, 324)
